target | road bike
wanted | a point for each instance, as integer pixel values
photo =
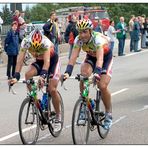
(93, 117)
(32, 117)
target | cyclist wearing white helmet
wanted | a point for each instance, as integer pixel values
(98, 61)
(47, 63)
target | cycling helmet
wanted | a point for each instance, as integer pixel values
(84, 24)
(36, 39)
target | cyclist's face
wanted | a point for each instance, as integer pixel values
(85, 35)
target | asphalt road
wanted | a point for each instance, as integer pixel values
(129, 88)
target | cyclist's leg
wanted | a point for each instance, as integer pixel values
(103, 85)
(105, 80)
(87, 68)
(106, 96)
(32, 71)
(53, 83)
(56, 103)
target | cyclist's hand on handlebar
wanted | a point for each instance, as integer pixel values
(11, 82)
(65, 76)
(97, 77)
(41, 82)
(97, 73)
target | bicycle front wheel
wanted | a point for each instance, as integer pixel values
(100, 116)
(28, 122)
(80, 126)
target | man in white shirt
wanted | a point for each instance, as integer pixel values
(1, 22)
(22, 24)
(111, 32)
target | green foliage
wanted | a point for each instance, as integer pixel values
(6, 15)
(41, 11)
(115, 10)
(126, 10)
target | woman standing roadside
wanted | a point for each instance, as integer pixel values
(111, 32)
(12, 48)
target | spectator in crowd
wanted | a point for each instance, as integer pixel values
(50, 30)
(143, 17)
(70, 33)
(11, 47)
(98, 27)
(111, 32)
(121, 36)
(1, 22)
(136, 35)
(15, 17)
(57, 34)
(22, 25)
(144, 33)
(131, 24)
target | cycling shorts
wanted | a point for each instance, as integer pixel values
(54, 68)
(107, 63)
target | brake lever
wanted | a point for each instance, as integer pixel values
(94, 81)
(11, 90)
(62, 82)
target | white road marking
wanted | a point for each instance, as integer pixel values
(9, 136)
(66, 127)
(141, 109)
(16, 133)
(121, 118)
(131, 54)
(120, 91)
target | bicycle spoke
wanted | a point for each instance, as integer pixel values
(80, 130)
(28, 122)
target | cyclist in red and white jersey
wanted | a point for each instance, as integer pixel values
(47, 63)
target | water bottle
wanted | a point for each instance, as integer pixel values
(44, 101)
(92, 102)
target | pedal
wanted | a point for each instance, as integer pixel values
(101, 114)
(52, 113)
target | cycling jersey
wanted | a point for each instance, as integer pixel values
(97, 41)
(45, 45)
(38, 64)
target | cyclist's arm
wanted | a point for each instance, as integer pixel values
(74, 55)
(99, 57)
(20, 60)
(46, 59)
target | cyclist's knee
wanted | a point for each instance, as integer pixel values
(86, 70)
(102, 86)
(52, 90)
(27, 76)
(53, 84)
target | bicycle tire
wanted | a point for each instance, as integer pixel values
(51, 123)
(33, 113)
(102, 132)
(77, 139)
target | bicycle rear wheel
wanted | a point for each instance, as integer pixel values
(100, 116)
(80, 131)
(28, 122)
(52, 114)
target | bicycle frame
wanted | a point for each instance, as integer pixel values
(85, 94)
(33, 96)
